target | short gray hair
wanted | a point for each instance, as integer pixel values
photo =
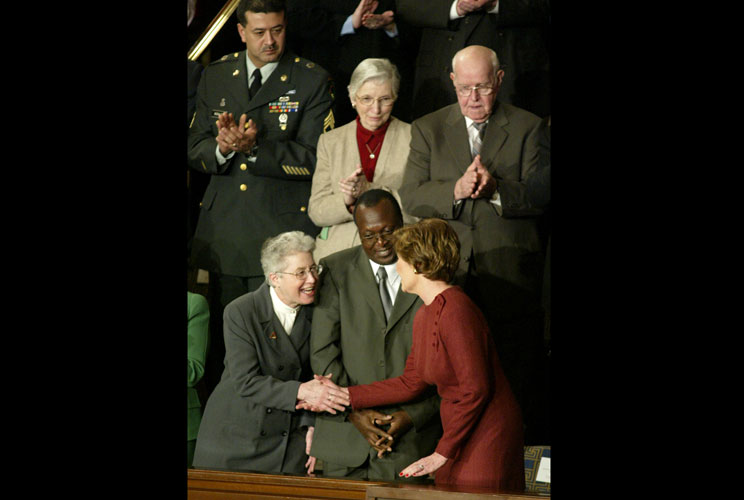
(376, 69)
(275, 250)
(494, 59)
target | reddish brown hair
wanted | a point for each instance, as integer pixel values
(431, 247)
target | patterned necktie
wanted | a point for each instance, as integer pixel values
(478, 138)
(256, 83)
(387, 304)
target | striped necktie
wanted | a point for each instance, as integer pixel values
(478, 137)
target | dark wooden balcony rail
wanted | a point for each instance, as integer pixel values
(221, 485)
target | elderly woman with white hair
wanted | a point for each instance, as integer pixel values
(250, 421)
(367, 153)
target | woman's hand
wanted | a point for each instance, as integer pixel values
(353, 186)
(424, 466)
(315, 395)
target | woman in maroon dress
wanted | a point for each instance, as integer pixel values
(482, 443)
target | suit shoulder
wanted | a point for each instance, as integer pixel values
(337, 133)
(435, 117)
(220, 68)
(245, 302)
(397, 123)
(308, 67)
(227, 58)
(340, 259)
(520, 113)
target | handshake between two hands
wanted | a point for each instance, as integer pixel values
(321, 394)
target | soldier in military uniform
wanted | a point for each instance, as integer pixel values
(258, 117)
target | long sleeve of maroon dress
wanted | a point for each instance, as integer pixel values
(453, 349)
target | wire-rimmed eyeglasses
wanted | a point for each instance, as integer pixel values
(464, 91)
(302, 274)
(385, 102)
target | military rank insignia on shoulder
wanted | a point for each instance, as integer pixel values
(306, 63)
(227, 58)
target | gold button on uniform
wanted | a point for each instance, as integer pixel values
(302, 209)
(243, 166)
(243, 187)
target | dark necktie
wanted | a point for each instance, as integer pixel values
(256, 83)
(478, 139)
(387, 304)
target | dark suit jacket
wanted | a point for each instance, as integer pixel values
(504, 242)
(518, 34)
(314, 31)
(246, 202)
(351, 340)
(250, 422)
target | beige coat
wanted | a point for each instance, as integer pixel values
(338, 157)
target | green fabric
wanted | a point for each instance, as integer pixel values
(198, 343)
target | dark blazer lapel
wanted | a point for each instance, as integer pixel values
(285, 344)
(275, 86)
(494, 138)
(274, 334)
(301, 329)
(456, 138)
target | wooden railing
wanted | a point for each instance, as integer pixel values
(214, 27)
(212, 485)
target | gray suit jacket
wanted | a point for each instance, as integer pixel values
(351, 340)
(503, 241)
(250, 422)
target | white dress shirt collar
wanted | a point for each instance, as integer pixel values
(286, 314)
(266, 69)
(393, 280)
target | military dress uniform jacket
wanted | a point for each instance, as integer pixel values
(351, 340)
(250, 422)
(504, 241)
(248, 201)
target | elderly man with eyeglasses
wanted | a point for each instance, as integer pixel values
(361, 333)
(469, 164)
